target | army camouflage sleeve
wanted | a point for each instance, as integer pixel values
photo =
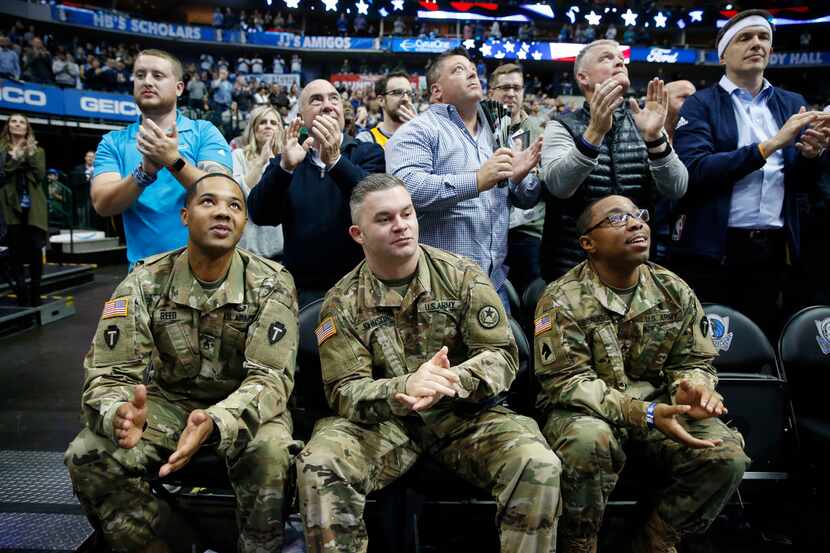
(347, 370)
(691, 355)
(270, 358)
(493, 357)
(121, 350)
(565, 368)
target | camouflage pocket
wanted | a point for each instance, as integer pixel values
(232, 351)
(179, 358)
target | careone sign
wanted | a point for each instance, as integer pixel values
(51, 100)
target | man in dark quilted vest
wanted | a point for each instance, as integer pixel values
(608, 147)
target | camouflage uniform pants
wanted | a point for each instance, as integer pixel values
(698, 482)
(110, 486)
(497, 450)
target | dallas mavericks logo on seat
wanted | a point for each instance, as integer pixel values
(721, 336)
(823, 337)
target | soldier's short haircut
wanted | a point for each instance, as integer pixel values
(375, 182)
(580, 57)
(434, 72)
(175, 62)
(583, 222)
(194, 188)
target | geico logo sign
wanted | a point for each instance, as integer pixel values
(17, 95)
(104, 105)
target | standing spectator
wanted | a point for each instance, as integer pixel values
(37, 62)
(242, 95)
(278, 65)
(218, 18)
(396, 96)
(79, 180)
(565, 33)
(243, 66)
(307, 188)
(122, 77)
(605, 148)
(256, 65)
(749, 147)
(261, 96)
(611, 32)
(23, 205)
(196, 91)
(145, 169)
(629, 36)
(451, 163)
(221, 91)
(279, 21)
(296, 64)
(9, 60)
(65, 69)
(233, 121)
(262, 139)
(524, 239)
(523, 33)
(495, 31)
(398, 26)
(360, 24)
(343, 25)
(805, 39)
(206, 62)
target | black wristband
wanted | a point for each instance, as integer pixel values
(660, 155)
(655, 143)
(586, 148)
(178, 165)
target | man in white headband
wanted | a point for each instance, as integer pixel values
(747, 145)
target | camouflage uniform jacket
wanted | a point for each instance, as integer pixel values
(593, 354)
(372, 339)
(231, 352)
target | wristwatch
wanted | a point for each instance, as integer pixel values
(142, 178)
(178, 165)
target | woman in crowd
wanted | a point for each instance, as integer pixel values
(262, 140)
(23, 205)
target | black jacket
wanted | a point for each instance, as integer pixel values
(312, 205)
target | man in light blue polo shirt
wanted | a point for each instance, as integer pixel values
(143, 171)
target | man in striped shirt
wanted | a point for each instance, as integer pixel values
(462, 183)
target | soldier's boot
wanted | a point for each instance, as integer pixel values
(570, 544)
(656, 537)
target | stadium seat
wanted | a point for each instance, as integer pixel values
(804, 349)
(513, 298)
(749, 377)
(529, 300)
(308, 402)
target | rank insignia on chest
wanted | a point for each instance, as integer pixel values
(111, 335)
(325, 330)
(118, 307)
(276, 332)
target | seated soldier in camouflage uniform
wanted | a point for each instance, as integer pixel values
(624, 357)
(415, 349)
(216, 330)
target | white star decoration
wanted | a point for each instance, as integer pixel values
(522, 55)
(469, 43)
(292, 3)
(486, 50)
(525, 46)
(536, 55)
(509, 47)
(630, 18)
(331, 5)
(593, 18)
(660, 19)
(499, 55)
(362, 8)
(696, 15)
(397, 5)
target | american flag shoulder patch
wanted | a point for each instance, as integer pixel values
(325, 330)
(542, 324)
(117, 307)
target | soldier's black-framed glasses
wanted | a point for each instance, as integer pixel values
(620, 219)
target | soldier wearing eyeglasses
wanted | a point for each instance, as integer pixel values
(395, 94)
(624, 358)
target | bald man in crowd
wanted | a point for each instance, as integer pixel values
(306, 189)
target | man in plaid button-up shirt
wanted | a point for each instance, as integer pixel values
(448, 159)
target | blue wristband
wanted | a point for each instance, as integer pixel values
(650, 414)
(142, 178)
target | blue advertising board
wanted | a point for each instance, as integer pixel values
(421, 45)
(114, 22)
(51, 100)
(664, 55)
(290, 40)
(785, 59)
